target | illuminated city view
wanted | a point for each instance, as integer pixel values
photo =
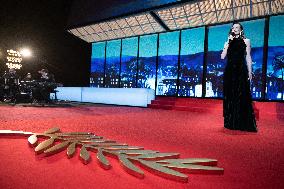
(160, 62)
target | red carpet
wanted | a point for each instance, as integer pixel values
(250, 160)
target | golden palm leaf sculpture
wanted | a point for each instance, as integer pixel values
(167, 165)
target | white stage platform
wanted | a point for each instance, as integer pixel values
(117, 96)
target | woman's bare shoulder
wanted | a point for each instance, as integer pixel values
(247, 40)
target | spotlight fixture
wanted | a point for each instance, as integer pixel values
(26, 52)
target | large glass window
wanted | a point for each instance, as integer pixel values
(97, 65)
(168, 63)
(254, 30)
(112, 64)
(116, 61)
(217, 35)
(147, 61)
(129, 62)
(191, 62)
(275, 61)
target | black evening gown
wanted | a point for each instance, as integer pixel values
(237, 104)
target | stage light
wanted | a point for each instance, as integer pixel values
(26, 52)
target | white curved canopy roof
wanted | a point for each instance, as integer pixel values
(180, 16)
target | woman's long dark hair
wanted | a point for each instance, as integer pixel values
(242, 34)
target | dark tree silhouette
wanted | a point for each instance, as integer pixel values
(144, 72)
(278, 65)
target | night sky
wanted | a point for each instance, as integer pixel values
(41, 27)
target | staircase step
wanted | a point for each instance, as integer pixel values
(158, 106)
(167, 98)
(198, 109)
(163, 102)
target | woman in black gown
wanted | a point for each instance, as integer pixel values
(237, 104)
